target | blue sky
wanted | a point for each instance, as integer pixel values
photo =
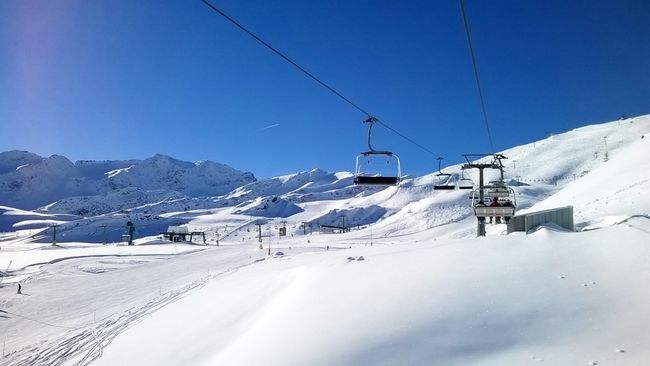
(127, 79)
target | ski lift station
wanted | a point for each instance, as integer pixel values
(181, 234)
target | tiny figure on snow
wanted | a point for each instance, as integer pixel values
(19, 292)
(130, 229)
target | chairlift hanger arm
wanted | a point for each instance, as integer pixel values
(371, 151)
(370, 121)
(442, 185)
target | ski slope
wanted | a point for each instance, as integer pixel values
(409, 284)
(561, 298)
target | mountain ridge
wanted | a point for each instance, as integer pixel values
(536, 171)
(29, 181)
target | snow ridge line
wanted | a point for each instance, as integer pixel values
(18, 241)
(93, 340)
(246, 223)
(57, 260)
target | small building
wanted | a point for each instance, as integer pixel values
(560, 216)
(329, 229)
(181, 234)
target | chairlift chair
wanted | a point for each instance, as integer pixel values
(483, 210)
(375, 179)
(445, 181)
(365, 178)
(498, 189)
(465, 183)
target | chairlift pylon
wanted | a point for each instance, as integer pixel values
(366, 178)
(496, 191)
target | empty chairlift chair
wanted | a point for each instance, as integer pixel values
(444, 181)
(364, 177)
(465, 183)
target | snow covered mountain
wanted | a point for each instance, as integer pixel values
(11, 160)
(408, 284)
(28, 181)
(187, 192)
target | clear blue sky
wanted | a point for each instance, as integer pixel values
(127, 79)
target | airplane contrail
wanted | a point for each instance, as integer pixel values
(269, 126)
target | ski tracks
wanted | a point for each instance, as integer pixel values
(81, 346)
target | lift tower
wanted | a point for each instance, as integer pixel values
(494, 164)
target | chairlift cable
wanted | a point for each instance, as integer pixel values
(475, 68)
(312, 76)
(233, 21)
(407, 138)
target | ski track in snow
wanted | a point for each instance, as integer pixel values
(412, 213)
(84, 345)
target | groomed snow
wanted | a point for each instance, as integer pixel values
(408, 285)
(45, 253)
(562, 298)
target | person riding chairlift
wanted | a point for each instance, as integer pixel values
(507, 203)
(495, 203)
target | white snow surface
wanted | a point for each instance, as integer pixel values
(408, 285)
(618, 187)
(44, 181)
(558, 297)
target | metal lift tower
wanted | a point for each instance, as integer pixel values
(494, 164)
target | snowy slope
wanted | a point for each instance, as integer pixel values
(11, 160)
(269, 207)
(426, 292)
(28, 181)
(557, 298)
(34, 184)
(559, 165)
(115, 200)
(573, 154)
(204, 178)
(536, 171)
(314, 185)
(12, 219)
(552, 297)
(616, 188)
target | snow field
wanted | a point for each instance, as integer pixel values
(44, 254)
(428, 292)
(67, 295)
(565, 298)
